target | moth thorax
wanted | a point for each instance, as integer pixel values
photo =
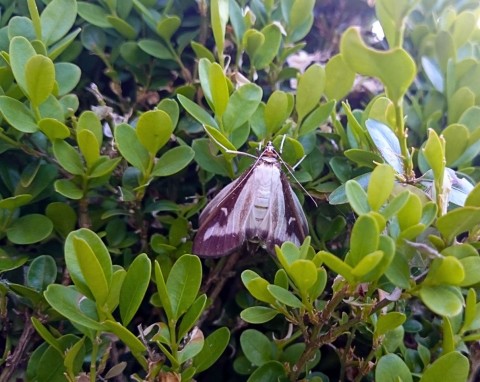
(267, 175)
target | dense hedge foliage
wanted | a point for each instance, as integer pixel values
(119, 120)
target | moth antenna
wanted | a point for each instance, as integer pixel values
(298, 163)
(295, 179)
(282, 143)
(228, 151)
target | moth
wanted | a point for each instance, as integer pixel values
(260, 206)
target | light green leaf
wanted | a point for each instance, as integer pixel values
(173, 161)
(134, 287)
(56, 20)
(40, 78)
(395, 68)
(154, 129)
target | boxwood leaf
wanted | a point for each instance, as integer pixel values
(17, 115)
(56, 20)
(30, 229)
(183, 284)
(256, 346)
(213, 348)
(134, 287)
(42, 272)
(130, 147)
(258, 314)
(173, 161)
(67, 301)
(452, 366)
(39, 78)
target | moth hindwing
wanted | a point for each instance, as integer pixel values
(259, 206)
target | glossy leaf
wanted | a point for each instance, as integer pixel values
(29, 229)
(39, 78)
(134, 287)
(173, 161)
(183, 284)
(154, 129)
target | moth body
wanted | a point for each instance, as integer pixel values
(259, 206)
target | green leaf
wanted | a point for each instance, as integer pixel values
(284, 296)
(56, 20)
(17, 115)
(391, 368)
(46, 335)
(338, 78)
(258, 314)
(357, 197)
(269, 371)
(449, 367)
(241, 106)
(155, 49)
(308, 96)
(126, 337)
(122, 27)
(183, 284)
(317, 117)
(88, 145)
(257, 286)
(68, 157)
(134, 287)
(67, 301)
(304, 274)
(391, 16)
(300, 19)
(72, 258)
(434, 153)
(30, 229)
(201, 115)
(395, 68)
(68, 189)
(387, 143)
(445, 270)
(443, 300)
(276, 111)
(364, 239)
(53, 129)
(256, 347)
(130, 147)
(337, 265)
(471, 267)
(163, 292)
(167, 26)
(457, 221)
(215, 344)
(366, 265)
(20, 50)
(154, 129)
(15, 202)
(193, 314)
(88, 120)
(380, 186)
(91, 270)
(388, 322)
(218, 89)
(67, 76)
(173, 161)
(42, 272)
(270, 47)
(192, 347)
(94, 14)
(40, 78)
(219, 12)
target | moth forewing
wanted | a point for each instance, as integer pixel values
(259, 206)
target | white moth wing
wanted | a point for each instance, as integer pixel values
(277, 215)
(222, 223)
